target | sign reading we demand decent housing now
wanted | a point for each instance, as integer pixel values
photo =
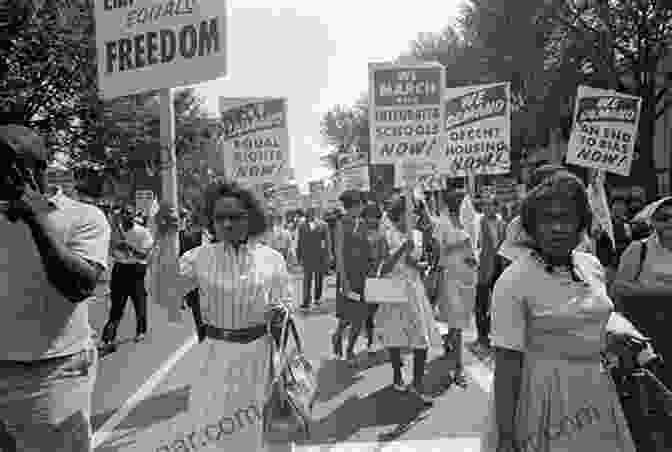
(477, 133)
(145, 45)
(604, 131)
(406, 113)
(254, 144)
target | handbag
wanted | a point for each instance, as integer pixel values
(646, 401)
(287, 413)
(385, 290)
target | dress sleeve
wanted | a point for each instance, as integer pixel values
(508, 313)
(281, 290)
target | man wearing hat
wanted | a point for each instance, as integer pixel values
(53, 253)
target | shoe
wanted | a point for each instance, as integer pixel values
(459, 379)
(426, 400)
(352, 360)
(399, 385)
(140, 337)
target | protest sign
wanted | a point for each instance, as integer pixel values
(144, 199)
(405, 111)
(353, 172)
(287, 197)
(477, 130)
(253, 147)
(145, 45)
(604, 130)
(316, 186)
(412, 172)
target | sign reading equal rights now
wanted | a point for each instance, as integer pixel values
(254, 143)
(145, 45)
(406, 113)
(477, 134)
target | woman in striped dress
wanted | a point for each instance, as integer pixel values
(240, 282)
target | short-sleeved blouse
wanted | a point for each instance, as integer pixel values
(236, 287)
(534, 310)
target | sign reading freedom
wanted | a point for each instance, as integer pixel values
(146, 45)
(254, 142)
(405, 111)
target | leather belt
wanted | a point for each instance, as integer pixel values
(240, 336)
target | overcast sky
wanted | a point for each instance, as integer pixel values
(315, 53)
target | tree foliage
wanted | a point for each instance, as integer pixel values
(48, 81)
(346, 129)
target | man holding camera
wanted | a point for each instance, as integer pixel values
(53, 253)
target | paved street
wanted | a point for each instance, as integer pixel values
(356, 410)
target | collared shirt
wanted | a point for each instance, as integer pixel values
(37, 321)
(140, 239)
(236, 286)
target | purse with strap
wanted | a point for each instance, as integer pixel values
(385, 290)
(288, 411)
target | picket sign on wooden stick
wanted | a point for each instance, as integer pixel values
(169, 246)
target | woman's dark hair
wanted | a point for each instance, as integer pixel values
(257, 219)
(562, 185)
(396, 209)
(372, 211)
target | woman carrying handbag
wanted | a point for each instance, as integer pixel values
(242, 285)
(410, 324)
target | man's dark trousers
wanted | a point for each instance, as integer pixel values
(128, 280)
(311, 276)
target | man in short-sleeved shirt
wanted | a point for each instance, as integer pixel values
(54, 249)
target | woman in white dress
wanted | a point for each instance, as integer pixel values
(457, 287)
(550, 314)
(241, 282)
(411, 324)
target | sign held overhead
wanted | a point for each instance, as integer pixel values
(144, 45)
(405, 111)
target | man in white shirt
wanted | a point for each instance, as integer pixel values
(54, 250)
(131, 254)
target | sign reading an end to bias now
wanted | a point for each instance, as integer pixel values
(144, 45)
(405, 111)
(604, 130)
(477, 132)
(254, 142)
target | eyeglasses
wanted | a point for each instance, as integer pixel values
(233, 217)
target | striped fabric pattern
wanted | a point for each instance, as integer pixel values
(237, 287)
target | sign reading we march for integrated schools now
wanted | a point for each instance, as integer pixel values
(604, 130)
(406, 114)
(477, 133)
(144, 45)
(254, 143)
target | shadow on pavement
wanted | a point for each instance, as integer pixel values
(151, 411)
(380, 408)
(437, 376)
(333, 378)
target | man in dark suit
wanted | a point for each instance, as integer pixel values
(314, 254)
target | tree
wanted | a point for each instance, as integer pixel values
(47, 66)
(622, 45)
(346, 129)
